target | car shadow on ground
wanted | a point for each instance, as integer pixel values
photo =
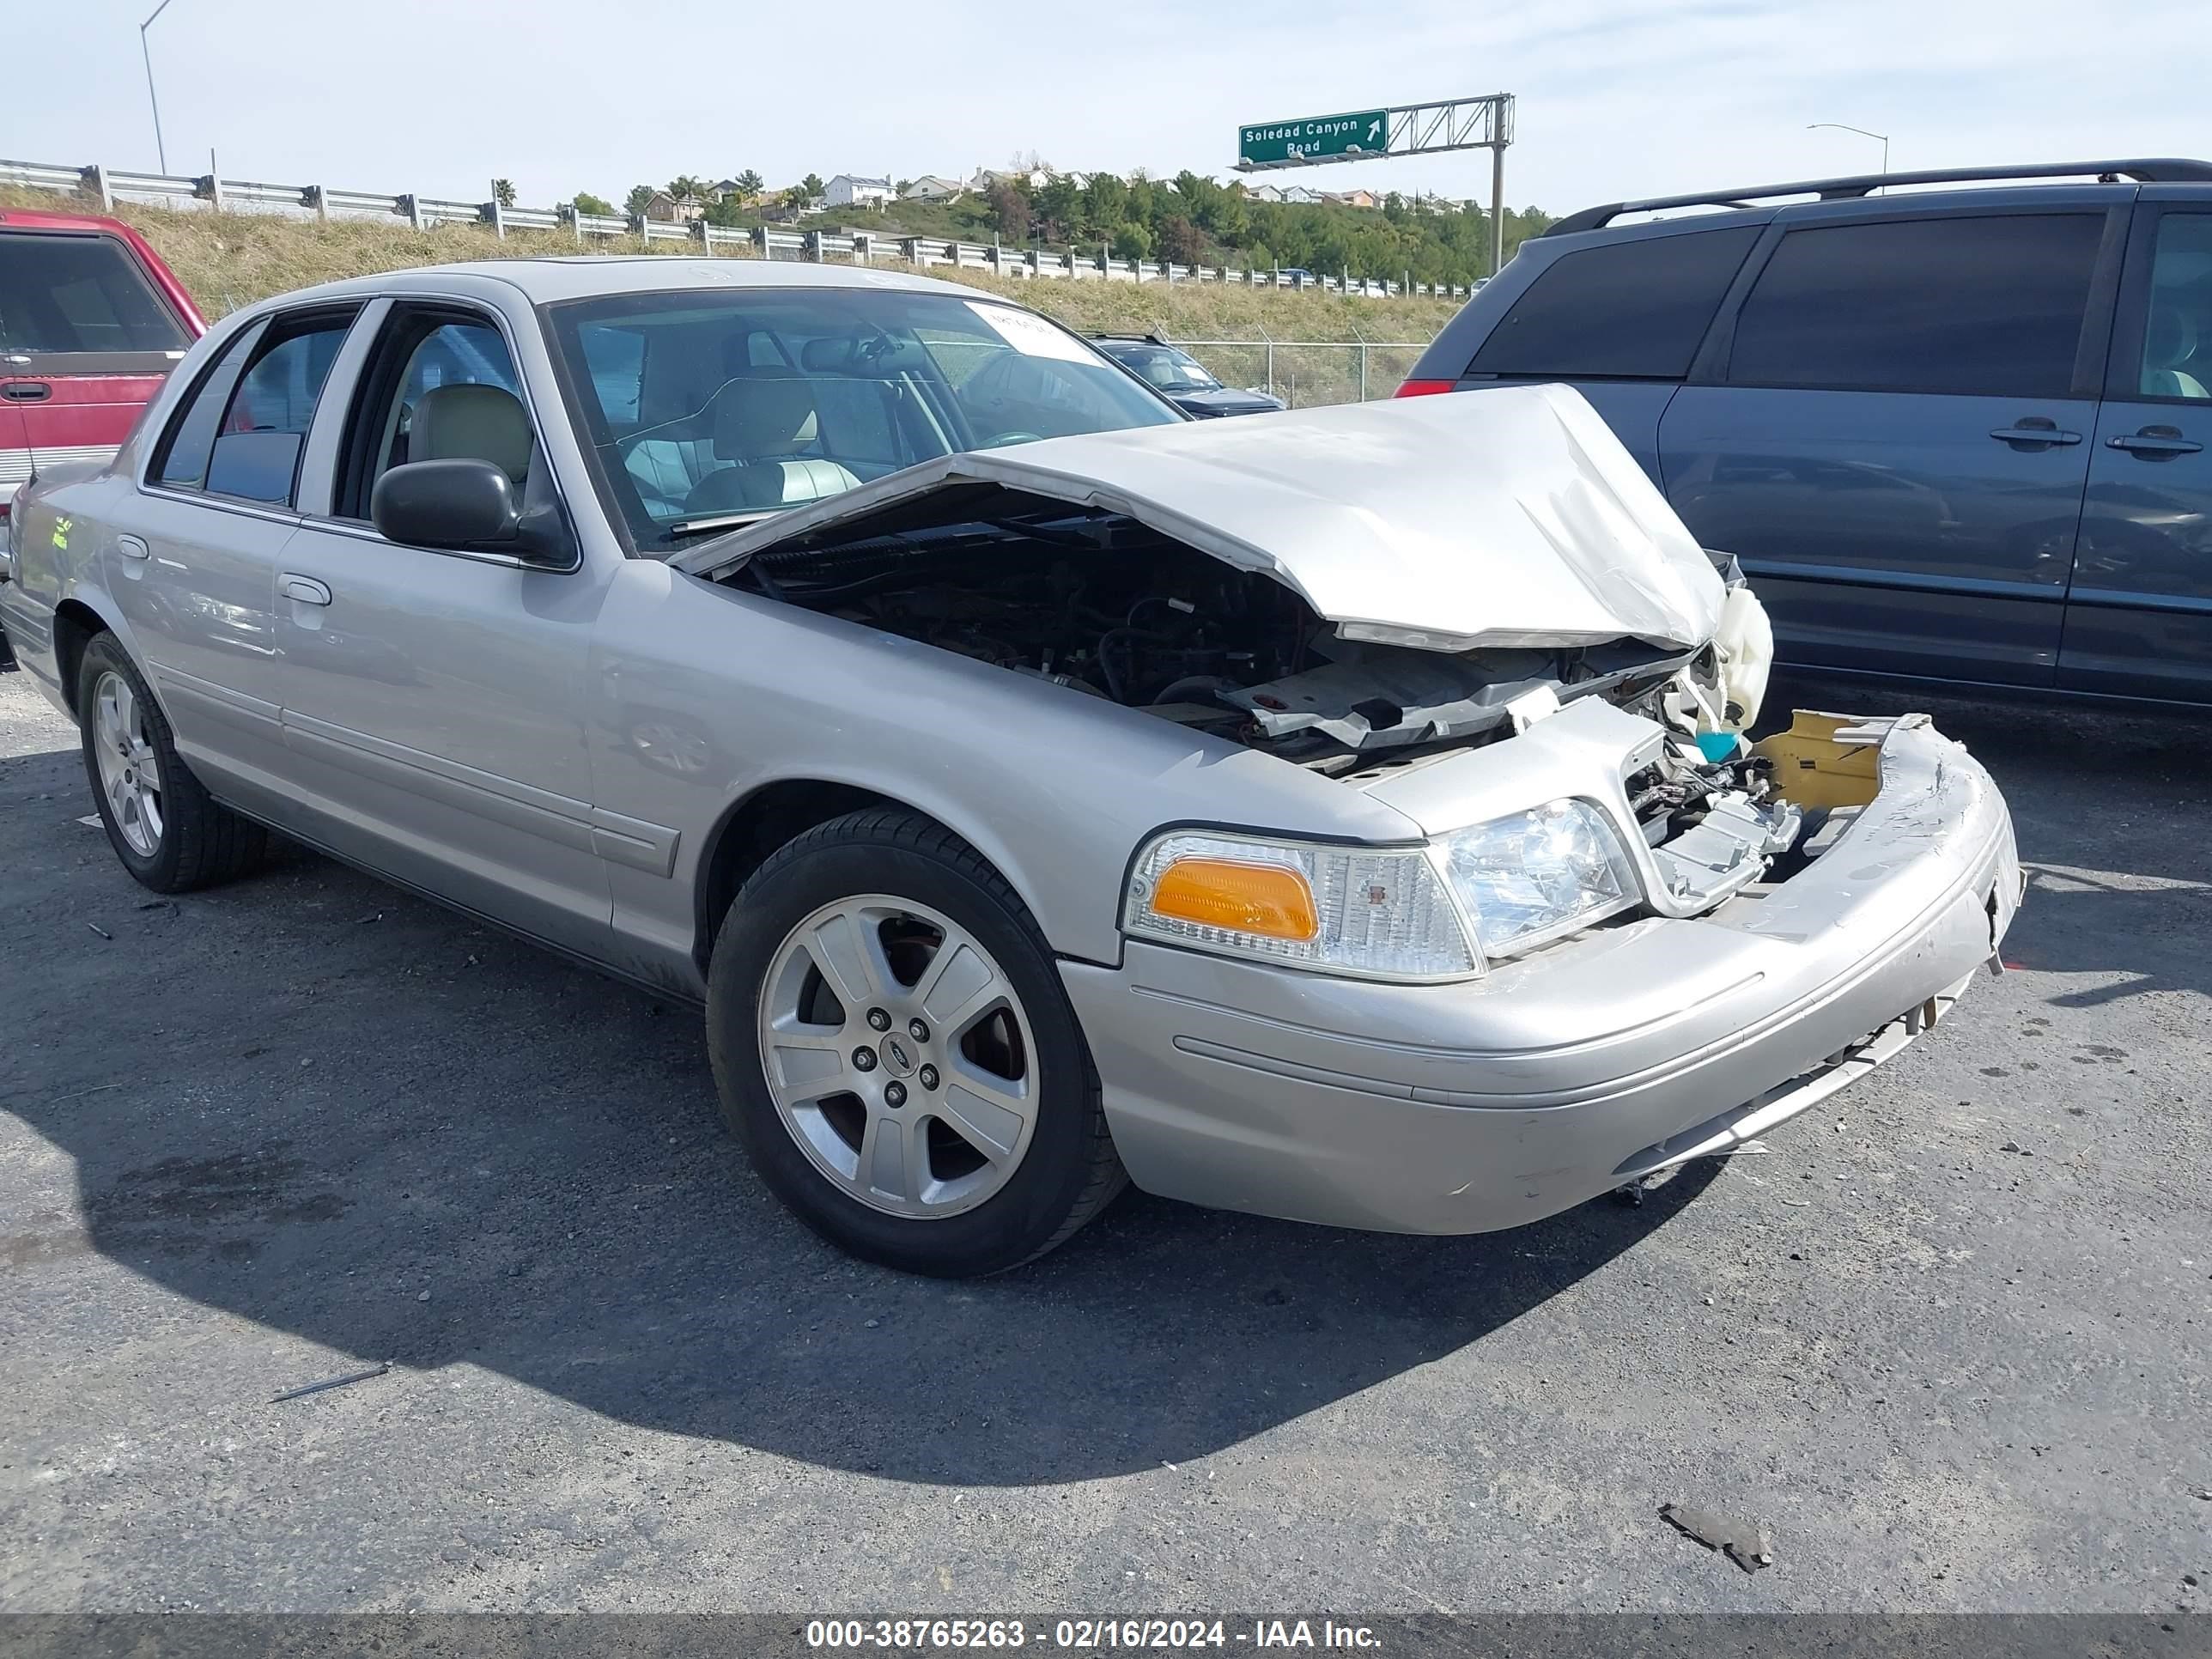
(313, 1103)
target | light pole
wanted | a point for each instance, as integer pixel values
(160, 149)
(1838, 125)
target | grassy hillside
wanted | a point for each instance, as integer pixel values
(231, 260)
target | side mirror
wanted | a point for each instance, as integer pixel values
(462, 502)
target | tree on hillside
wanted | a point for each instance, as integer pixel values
(1059, 208)
(1132, 242)
(1010, 211)
(685, 184)
(750, 184)
(587, 203)
(812, 184)
(1180, 242)
(1105, 204)
(640, 197)
(502, 191)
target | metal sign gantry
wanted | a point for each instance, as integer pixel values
(1484, 123)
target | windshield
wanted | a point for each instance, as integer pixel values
(1166, 368)
(704, 408)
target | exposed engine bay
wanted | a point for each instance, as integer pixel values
(1100, 604)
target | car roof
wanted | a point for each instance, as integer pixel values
(544, 281)
(29, 219)
(1759, 203)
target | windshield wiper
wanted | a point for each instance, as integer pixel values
(720, 521)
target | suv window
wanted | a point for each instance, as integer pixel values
(1632, 310)
(240, 434)
(1991, 305)
(2176, 355)
(62, 293)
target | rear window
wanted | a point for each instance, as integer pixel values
(1991, 305)
(1631, 310)
(72, 293)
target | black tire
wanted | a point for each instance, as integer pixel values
(1070, 1171)
(202, 841)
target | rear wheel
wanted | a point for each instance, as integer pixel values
(169, 832)
(891, 1042)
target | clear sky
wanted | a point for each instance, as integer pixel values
(1617, 98)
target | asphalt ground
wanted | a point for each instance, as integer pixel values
(1947, 1340)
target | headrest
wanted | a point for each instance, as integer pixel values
(475, 423)
(763, 416)
(2170, 341)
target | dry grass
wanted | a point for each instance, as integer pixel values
(230, 259)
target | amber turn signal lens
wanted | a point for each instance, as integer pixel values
(1267, 899)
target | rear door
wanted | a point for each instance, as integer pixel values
(196, 571)
(1892, 432)
(86, 339)
(2139, 616)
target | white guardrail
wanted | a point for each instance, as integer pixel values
(108, 185)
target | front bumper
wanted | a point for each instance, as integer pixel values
(1458, 1109)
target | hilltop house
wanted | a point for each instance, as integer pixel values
(931, 188)
(1299, 195)
(666, 209)
(1035, 178)
(1263, 192)
(850, 190)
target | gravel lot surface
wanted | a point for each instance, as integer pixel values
(1947, 1339)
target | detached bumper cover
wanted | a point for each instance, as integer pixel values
(1467, 1108)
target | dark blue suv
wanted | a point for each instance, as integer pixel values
(1955, 434)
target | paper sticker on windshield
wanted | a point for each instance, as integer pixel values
(1030, 335)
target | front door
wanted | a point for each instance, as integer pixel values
(1896, 445)
(433, 702)
(2139, 618)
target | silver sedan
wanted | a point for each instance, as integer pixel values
(1346, 815)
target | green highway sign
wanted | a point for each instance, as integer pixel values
(1313, 138)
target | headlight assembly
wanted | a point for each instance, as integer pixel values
(1438, 912)
(1532, 876)
(1379, 913)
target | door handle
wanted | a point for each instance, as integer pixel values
(305, 589)
(2155, 442)
(2036, 429)
(26, 391)
(131, 547)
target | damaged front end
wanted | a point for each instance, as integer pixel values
(1380, 616)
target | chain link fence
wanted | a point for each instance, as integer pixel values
(1307, 373)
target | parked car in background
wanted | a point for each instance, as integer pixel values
(1957, 435)
(91, 323)
(1185, 382)
(1344, 815)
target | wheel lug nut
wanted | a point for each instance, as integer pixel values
(927, 1076)
(879, 1019)
(894, 1095)
(918, 1029)
(863, 1060)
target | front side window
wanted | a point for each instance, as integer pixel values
(1632, 310)
(1990, 306)
(2176, 354)
(79, 293)
(440, 386)
(240, 434)
(705, 406)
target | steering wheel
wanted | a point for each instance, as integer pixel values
(1006, 438)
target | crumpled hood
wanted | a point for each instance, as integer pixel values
(1502, 518)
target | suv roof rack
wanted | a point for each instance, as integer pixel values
(2154, 170)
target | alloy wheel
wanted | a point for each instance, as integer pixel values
(130, 770)
(898, 1056)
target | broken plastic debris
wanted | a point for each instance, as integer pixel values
(1746, 1544)
(333, 1383)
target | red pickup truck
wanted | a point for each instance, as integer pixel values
(91, 321)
